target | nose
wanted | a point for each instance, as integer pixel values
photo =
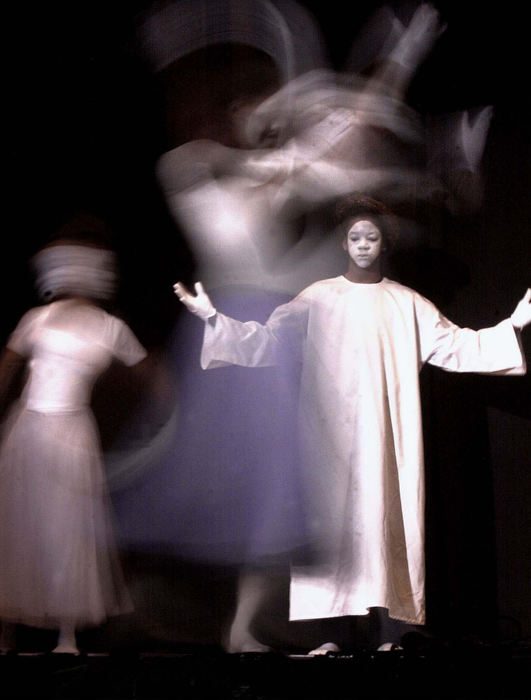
(363, 244)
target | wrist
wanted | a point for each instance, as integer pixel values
(517, 325)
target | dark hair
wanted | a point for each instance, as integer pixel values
(84, 228)
(200, 89)
(358, 206)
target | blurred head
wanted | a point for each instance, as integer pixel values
(207, 93)
(216, 57)
(77, 262)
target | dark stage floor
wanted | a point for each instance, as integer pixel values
(465, 672)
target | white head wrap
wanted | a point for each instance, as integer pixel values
(75, 270)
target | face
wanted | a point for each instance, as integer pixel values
(364, 243)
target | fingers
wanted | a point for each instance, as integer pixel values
(180, 290)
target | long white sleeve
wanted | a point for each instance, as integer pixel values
(494, 350)
(251, 344)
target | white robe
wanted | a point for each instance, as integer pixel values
(362, 347)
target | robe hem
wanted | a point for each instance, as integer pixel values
(419, 620)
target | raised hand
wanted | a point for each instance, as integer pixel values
(521, 316)
(473, 134)
(199, 304)
(418, 37)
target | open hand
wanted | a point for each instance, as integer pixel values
(521, 316)
(199, 304)
(417, 37)
(473, 134)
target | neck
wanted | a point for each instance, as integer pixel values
(77, 299)
(361, 275)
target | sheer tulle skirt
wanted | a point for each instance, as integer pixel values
(58, 561)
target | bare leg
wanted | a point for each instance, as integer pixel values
(252, 590)
(8, 637)
(66, 644)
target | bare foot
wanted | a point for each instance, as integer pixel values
(389, 646)
(66, 649)
(324, 649)
(66, 643)
(244, 643)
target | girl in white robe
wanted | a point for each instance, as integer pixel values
(362, 340)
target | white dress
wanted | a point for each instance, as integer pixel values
(58, 562)
(362, 347)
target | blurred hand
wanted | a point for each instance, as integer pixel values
(418, 37)
(521, 316)
(199, 304)
(473, 136)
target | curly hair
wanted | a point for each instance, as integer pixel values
(359, 206)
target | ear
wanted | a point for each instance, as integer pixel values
(345, 243)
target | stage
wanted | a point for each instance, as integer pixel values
(85, 132)
(464, 671)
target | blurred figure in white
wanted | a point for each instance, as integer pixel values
(453, 143)
(261, 134)
(228, 499)
(59, 564)
(285, 145)
(362, 339)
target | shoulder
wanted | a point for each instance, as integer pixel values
(398, 288)
(181, 166)
(318, 289)
(23, 336)
(33, 317)
(406, 293)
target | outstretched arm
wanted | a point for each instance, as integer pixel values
(494, 350)
(226, 340)
(250, 344)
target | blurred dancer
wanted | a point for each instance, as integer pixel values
(272, 146)
(231, 499)
(59, 565)
(362, 340)
(260, 134)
